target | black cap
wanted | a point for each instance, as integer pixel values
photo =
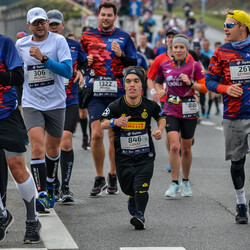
(197, 44)
(172, 31)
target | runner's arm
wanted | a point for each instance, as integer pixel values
(13, 77)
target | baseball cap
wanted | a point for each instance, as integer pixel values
(241, 16)
(55, 16)
(172, 31)
(36, 13)
(21, 34)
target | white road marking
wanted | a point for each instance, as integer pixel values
(207, 123)
(54, 234)
(219, 128)
(152, 248)
(24, 248)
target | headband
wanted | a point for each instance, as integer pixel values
(180, 39)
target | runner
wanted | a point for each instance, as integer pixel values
(183, 76)
(56, 25)
(47, 61)
(130, 117)
(12, 140)
(231, 62)
(112, 50)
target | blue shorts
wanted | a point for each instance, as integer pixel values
(96, 107)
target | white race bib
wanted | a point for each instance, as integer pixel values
(240, 72)
(106, 85)
(39, 76)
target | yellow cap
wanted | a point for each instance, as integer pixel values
(241, 16)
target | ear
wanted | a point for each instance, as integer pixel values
(28, 25)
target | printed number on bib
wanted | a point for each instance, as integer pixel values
(134, 142)
(240, 72)
(189, 108)
(105, 86)
(39, 76)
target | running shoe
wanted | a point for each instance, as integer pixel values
(51, 195)
(5, 223)
(131, 206)
(186, 189)
(241, 214)
(43, 204)
(57, 194)
(138, 221)
(112, 184)
(172, 190)
(85, 143)
(99, 186)
(32, 234)
(67, 195)
(168, 169)
(208, 116)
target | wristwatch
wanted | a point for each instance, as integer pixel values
(45, 59)
(192, 83)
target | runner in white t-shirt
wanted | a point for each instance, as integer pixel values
(47, 61)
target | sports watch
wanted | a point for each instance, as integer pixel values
(111, 122)
(45, 59)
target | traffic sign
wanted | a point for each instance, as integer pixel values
(135, 8)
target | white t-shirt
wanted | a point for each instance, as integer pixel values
(43, 89)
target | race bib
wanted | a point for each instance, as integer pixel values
(240, 72)
(39, 76)
(66, 83)
(190, 108)
(105, 86)
(134, 142)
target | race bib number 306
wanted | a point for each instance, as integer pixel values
(39, 76)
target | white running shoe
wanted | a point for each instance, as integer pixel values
(172, 190)
(186, 190)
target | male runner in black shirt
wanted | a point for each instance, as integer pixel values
(130, 117)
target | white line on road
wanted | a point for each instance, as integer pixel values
(219, 128)
(152, 248)
(54, 234)
(207, 123)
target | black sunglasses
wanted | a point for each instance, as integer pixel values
(230, 25)
(41, 21)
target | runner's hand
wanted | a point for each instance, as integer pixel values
(122, 121)
(36, 53)
(90, 59)
(116, 48)
(79, 77)
(235, 90)
(157, 134)
(161, 93)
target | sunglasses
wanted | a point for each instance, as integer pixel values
(230, 25)
(36, 23)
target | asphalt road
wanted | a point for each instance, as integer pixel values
(204, 221)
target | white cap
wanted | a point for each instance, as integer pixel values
(35, 14)
(191, 13)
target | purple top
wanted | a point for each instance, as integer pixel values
(176, 87)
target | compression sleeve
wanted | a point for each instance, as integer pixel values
(63, 68)
(128, 61)
(13, 77)
(159, 80)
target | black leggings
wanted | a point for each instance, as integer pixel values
(238, 173)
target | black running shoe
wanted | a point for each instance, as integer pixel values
(5, 223)
(241, 214)
(112, 184)
(138, 221)
(85, 143)
(57, 194)
(67, 196)
(131, 206)
(32, 234)
(99, 185)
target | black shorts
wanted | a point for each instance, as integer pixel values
(13, 133)
(186, 126)
(71, 117)
(135, 178)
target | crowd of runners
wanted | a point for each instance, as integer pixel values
(114, 80)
